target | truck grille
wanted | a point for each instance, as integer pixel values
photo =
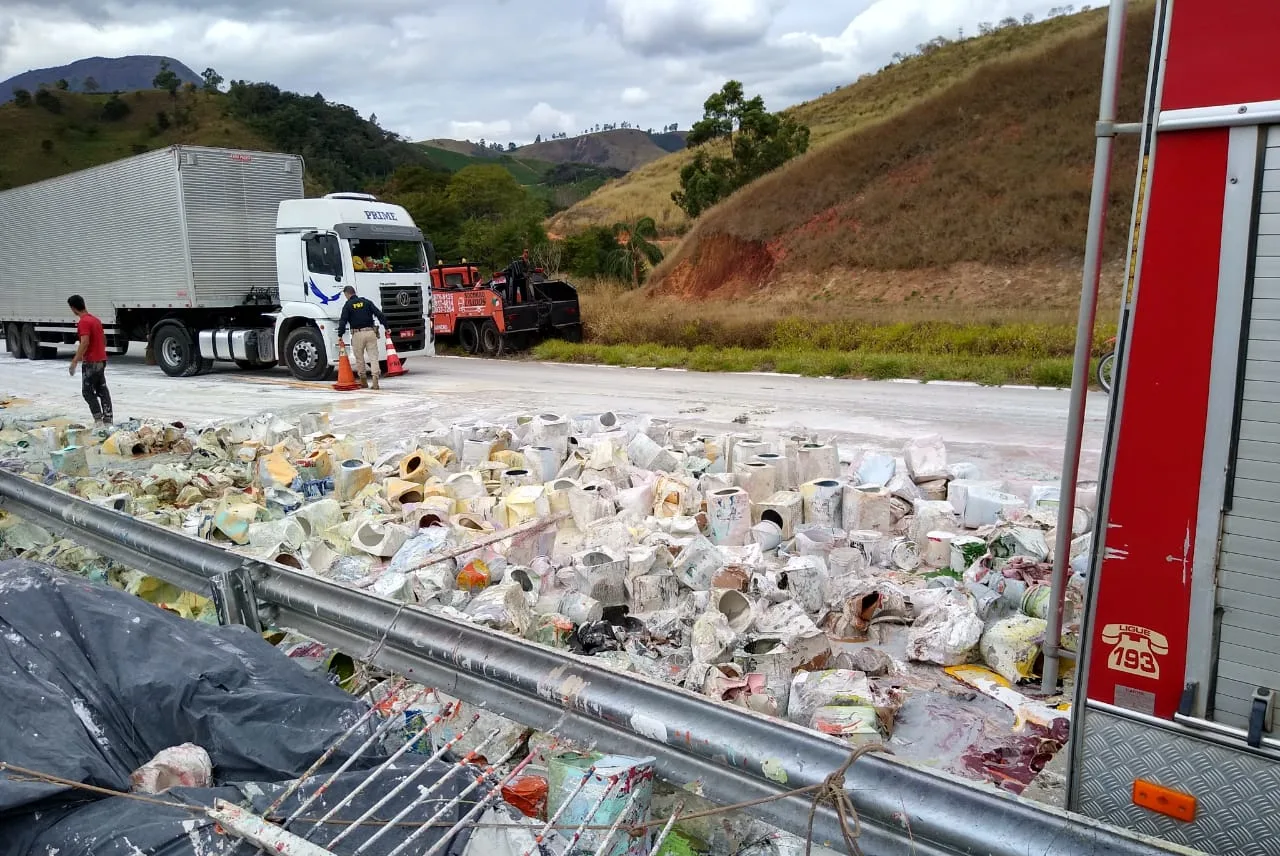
(403, 307)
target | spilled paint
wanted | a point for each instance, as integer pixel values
(647, 726)
(774, 770)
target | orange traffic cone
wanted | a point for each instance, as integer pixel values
(346, 377)
(395, 368)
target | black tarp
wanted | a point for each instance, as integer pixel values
(94, 682)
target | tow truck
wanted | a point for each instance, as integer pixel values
(511, 310)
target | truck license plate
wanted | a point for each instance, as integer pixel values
(406, 334)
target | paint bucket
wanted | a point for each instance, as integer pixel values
(845, 561)
(380, 539)
(600, 576)
(514, 478)
(873, 545)
(770, 657)
(866, 507)
(621, 785)
(819, 540)
(648, 455)
(807, 582)
(816, 461)
(1035, 601)
(403, 491)
(855, 723)
(767, 534)
(736, 609)
(1011, 647)
(696, 564)
(657, 430)
(542, 461)
(729, 517)
(937, 550)
(744, 447)
(784, 473)
(965, 550)
(579, 608)
(353, 476)
(757, 478)
(652, 592)
(785, 508)
(70, 461)
(587, 506)
(822, 502)
(904, 555)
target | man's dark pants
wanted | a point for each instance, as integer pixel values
(93, 385)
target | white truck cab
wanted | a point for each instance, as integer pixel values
(322, 246)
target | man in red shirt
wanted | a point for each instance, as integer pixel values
(92, 353)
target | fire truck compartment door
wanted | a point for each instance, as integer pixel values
(1248, 593)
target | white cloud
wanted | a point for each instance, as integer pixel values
(634, 96)
(676, 26)
(647, 62)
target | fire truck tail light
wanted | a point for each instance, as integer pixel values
(1164, 801)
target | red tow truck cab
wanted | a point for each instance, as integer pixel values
(1175, 727)
(511, 310)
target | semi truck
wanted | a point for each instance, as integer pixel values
(207, 254)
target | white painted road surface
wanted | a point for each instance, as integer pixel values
(1013, 433)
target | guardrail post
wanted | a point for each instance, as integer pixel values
(235, 599)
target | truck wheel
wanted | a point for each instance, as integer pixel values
(490, 339)
(304, 354)
(31, 343)
(469, 337)
(175, 350)
(13, 338)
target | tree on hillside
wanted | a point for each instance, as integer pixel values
(22, 97)
(115, 109)
(47, 100)
(90, 85)
(166, 79)
(758, 142)
(62, 84)
(637, 253)
(212, 80)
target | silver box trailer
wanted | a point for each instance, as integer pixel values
(183, 227)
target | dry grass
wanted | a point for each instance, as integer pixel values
(871, 100)
(80, 138)
(995, 170)
(777, 321)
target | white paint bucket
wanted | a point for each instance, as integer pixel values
(937, 551)
(353, 476)
(873, 546)
(822, 502)
(767, 534)
(736, 609)
(601, 576)
(866, 507)
(652, 592)
(785, 508)
(514, 478)
(729, 517)
(543, 462)
(757, 478)
(847, 561)
(807, 582)
(785, 478)
(579, 608)
(816, 461)
(628, 783)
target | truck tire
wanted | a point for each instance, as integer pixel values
(469, 337)
(304, 354)
(31, 348)
(175, 350)
(490, 339)
(13, 340)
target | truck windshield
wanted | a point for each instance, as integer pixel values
(388, 256)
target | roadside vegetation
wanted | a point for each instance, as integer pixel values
(992, 345)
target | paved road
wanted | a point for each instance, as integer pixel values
(1016, 433)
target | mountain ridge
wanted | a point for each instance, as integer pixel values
(111, 74)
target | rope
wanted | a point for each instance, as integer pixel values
(831, 790)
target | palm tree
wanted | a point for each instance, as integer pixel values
(637, 252)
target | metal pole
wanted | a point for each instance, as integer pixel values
(733, 754)
(1106, 133)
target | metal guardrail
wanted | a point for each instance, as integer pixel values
(734, 755)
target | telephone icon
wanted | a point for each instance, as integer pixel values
(1136, 650)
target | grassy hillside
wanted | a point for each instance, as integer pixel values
(527, 171)
(992, 170)
(39, 144)
(879, 98)
(622, 149)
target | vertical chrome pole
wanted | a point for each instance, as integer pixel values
(1106, 135)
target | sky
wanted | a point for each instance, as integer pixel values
(505, 70)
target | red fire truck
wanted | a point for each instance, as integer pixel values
(1174, 731)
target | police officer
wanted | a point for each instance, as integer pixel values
(360, 313)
